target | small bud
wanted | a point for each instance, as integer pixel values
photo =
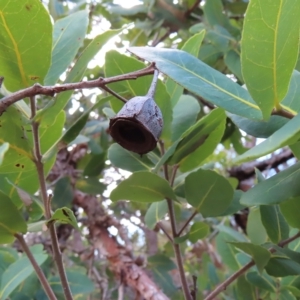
(139, 123)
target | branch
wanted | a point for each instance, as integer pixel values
(240, 272)
(284, 113)
(192, 8)
(41, 276)
(185, 287)
(42, 180)
(38, 89)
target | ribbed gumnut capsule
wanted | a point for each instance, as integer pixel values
(139, 123)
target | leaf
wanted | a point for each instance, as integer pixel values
(63, 193)
(79, 283)
(255, 229)
(269, 54)
(199, 156)
(281, 267)
(185, 113)
(233, 61)
(262, 281)
(26, 38)
(274, 223)
(64, 215)
(201, 80)
(17, 272)
(259, 254)
(244, 289)
(19, 169)
(117, 64)
(127, 160)
(95, 165)
(290, 209)
(68, 36)
(3, 148)
(286, 135)
(235, 205)
(143, 187)
(155, 213)
(273, 190)
(198, 231)
(90, 186)
(196, 136)
(208, 192)
(11, 220)
(47, 115)
(192, 46)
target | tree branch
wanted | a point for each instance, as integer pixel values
(41, 276)
(42, 181)
(240, 272)
(192, 8)
(38, 89)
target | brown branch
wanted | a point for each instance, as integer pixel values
(192, 216)
(38, 89)
(284, 113)
(240, 272)
(43, 189)
(41, 276)
(192, 8)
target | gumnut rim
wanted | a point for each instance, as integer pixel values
(138, 125)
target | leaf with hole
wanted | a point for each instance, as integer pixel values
(64, 215)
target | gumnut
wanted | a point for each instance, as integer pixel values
(138, 125)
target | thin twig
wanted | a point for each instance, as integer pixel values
(173, 175)
(284, 113)
(38, 89)
(109, 90)
(152, 88)
(192, 8)
(240, 272)
(187, 222)
(185, 287)
(41, 276)
(163, 37)
(42, 181)
(194, 291)
(162, 228)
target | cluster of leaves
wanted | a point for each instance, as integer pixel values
(184, 171)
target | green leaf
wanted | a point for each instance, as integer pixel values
(227, 252)
(19, 168)
(79, 283)
(64, 215)
(273, 190)
(255, 228)
(47, 115)
(208, 192)
(232, 235)
(143, 187)
(288, 134)
(281, 267)
(196, 136)
(235, 205)
(259, 254)
(26, 38)
(269, 54)
(155, 213)
(233, 61)
(63, 193)
(274, 223)
(197, 157)
(262, 281)
(202, 80)
(68, 36)
(3, 148)
(90, 186)
(290, 209)
(127, 160)
(11, 220)
(17, 272)
(185, 113)
(244, 289)
(117, 64)
(192, 46)
(95, 165)
(198, 231)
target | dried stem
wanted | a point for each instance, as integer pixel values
(240, 272)
(38, 89)
(42, 180)
(36, 267)
(185, 287)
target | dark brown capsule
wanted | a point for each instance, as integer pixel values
(139, 123)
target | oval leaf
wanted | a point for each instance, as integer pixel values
(270, 46)
(208, 192)
(26, 38)
(143, 187)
